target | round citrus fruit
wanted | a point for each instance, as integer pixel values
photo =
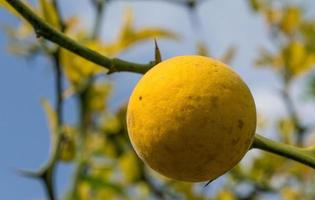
(191, 118)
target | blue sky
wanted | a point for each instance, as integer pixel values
(24, 134)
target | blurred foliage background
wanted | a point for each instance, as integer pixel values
(97, 144)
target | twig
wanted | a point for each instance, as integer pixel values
(84, 115)
(189, 3)
(42, 29)
(51, 166)
(302, 155)
(47, 172)
(300, 129)
(114, 65)
(80, 139)
(99, 7)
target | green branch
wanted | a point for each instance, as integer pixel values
(46, 174)
(305, 156)
(43, 29)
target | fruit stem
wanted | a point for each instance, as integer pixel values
(299, 154)
(43, 29)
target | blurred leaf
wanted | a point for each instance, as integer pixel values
(286, 129)
(226, 195)
(256, 5)
(23, 31)
(290, 20)
(77, 69)
(129, 35)
(68, 146)
(142, 191)
(300, 172)
(49, 13)
(106, 193)
(24, 49)
(83, 191)
(262, 121)
(110, 124)
(51, 116)
(187, 190)
(21, 39)
(267, 59)
(307, 29)
(129, 165)
(102, 169)
(95, 144)
(97, 96)
(202, 49)
(8, 7)
(110, 149)
(289, 193)
(97, 183)
(293, 56)
(229, 55)
(297, 59)
(273, 16)
(264, 166)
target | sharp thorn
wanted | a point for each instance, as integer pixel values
(157, 53)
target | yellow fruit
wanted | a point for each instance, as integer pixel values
(191, 118)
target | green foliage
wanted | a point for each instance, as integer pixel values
(291, 33)
(98, 145)
(291, 57)
(49, 13)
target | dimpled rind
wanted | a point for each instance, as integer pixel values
(191, 118)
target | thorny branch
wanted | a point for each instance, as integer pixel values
(42, 29)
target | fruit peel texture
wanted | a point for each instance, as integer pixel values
(191, 118)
